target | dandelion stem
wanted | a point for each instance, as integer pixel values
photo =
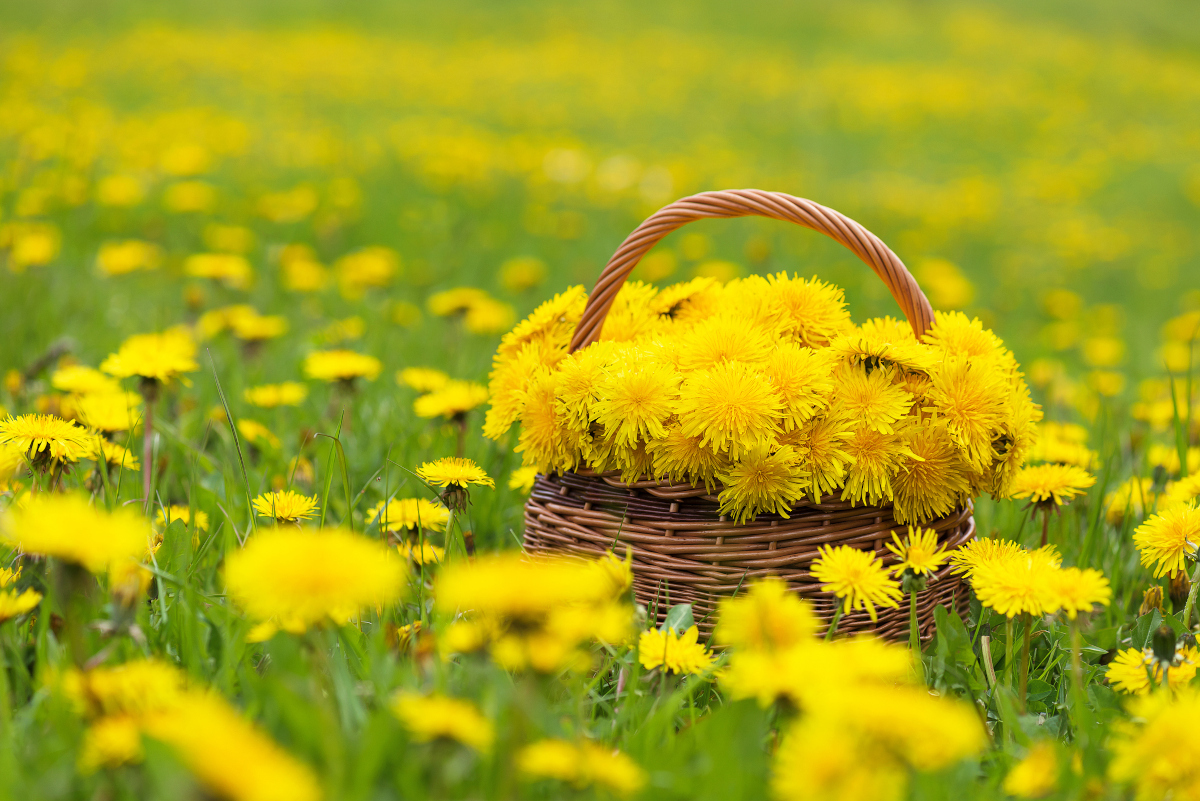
(833, 624)
(1009, 650)
(1045, 525)
(1024, 689)
(149, 389)
(1191, 599)
(914, 638)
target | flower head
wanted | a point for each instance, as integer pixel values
(68, 527)
(453, 399)
(731, 407)
(857, 577)
(1131, 670)
(918, 553)
(1153, 749)
(108, 411)
(83, 380)
(981, 553)
(451, 471)
(422, 379)
(674, 652)
(767, 616)
(45, 439)
(158, 357)
(300, 578)
(1051, 484)
(873, 399)
(581, 764)
(341, 365)
(13, 603)
(636, 402)
(762, 481)
(1077, 590)
(429, 717)
(269, 396)
(1168, 539)
(285, 506)
(1021, 583)
(1036, 774)
(409, 513)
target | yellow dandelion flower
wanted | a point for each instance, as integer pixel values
(365, 268)
(932, 479)
(984, 552)
(1153, 748)
(1077, 590)
(182, 514)
(1020, 584)
(1168, 539)
(762, 480)
(803, 380)
(549, 326)
(257, 434)
(13, 603)
(809, 311)
(113, 454)
(228, 268)
(301, 578)
(522, 272)
(452, 400)
(723, 339)
(456, 472)
(455, 301)
(545, 441)
(1051, 483)
(270, 396)
(518, 585)
(1131, 670)
(429, 717)
(1184, 491)
(110, 742)
(878, 346)
(679, 457)
(822, 447)
(582, 765)
(421, 554)
(1036, 775)
(108, 411)
(971, 397)
(508, 385)
(341, 365)
(768, 616)
(67, 527)
(636, 401)
(857, 577)
(681, 301)
(731, 407)
(631, 316)
(422, 379)
(158, 357)
(45, 439)
(229, 755)
(81, 380)
(409, 513)
(674, 652)
(959, 335)
(522, 479)
(1132, 497)
(256, 327)
(918, 553)
(871, 399)
(875, 459)
(1063, 443)
(286, 506)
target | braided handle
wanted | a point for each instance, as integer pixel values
(747, 203)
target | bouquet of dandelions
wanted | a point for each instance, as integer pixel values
(764, 391)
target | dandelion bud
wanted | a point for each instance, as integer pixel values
(1152, 599)
(1162, 643)
(1180, 586)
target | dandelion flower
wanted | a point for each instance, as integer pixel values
(918, 553)
(518, 585)
(875, 459)
(1036, 775)
(45, 439)
(767, 616)
(857, 577)
(544, 439)
(931, 480)
(255, 433)
(581, 765)
(341, 365)
(731, 407)
(454, 472)
(522, 479)
(452, 400)
(69, 528)
(13, 603)
(423, 554)
(409, 513)
(1051, 483)
(1077, 590)
(802, 379)
(635, 402)
(871, 399)
(113, 454)
(182, 514)
(1153, 748)
(228, 268)
(286, 506)
(82, 380)
(971, 397)
(1167, 539)
(229, 755)
(1131, 670)
(822, 447)
(674, 652)
(301, 578)
(155, 357)
(270, 396)
(981, 553)
(682, 458)
(762, 481)
(422, 379)
(1020, 584)
(809, 311)
(109, 412)
(429, 717)
(723, 339)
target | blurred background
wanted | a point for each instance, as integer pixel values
(1035, 166)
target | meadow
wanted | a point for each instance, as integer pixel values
(331, 220)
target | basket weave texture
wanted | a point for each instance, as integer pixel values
(683, 549)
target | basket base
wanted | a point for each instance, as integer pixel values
(685, 551)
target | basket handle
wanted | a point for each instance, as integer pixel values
(747, 203)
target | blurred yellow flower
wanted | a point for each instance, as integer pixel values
(1075, 590)
(409, 513)
(120, 190)
(341, 365)
(522, 272)
(522, 479)
(299, 579)
(1152, 749)
(673, 651)
(453, 399)
(270, 396)
(68, 527)
(160, 357)
(107, 411)
(428, 717)
(1131, 670)
(127, 256)
(229, 238)
(83, 380)
(422, 554)
(768, 616)
(1036, 774)
(164, 517)
(110, 742)
(422, 379)
(364, 269)
(944, 283)
(228, 268)
(289, 205)
(13, 604)
(581, 764)
(183, 197)
(29, 244)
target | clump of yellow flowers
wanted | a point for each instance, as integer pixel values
(764, 391)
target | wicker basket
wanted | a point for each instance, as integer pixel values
(684, 550)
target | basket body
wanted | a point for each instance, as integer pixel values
(684, 551)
